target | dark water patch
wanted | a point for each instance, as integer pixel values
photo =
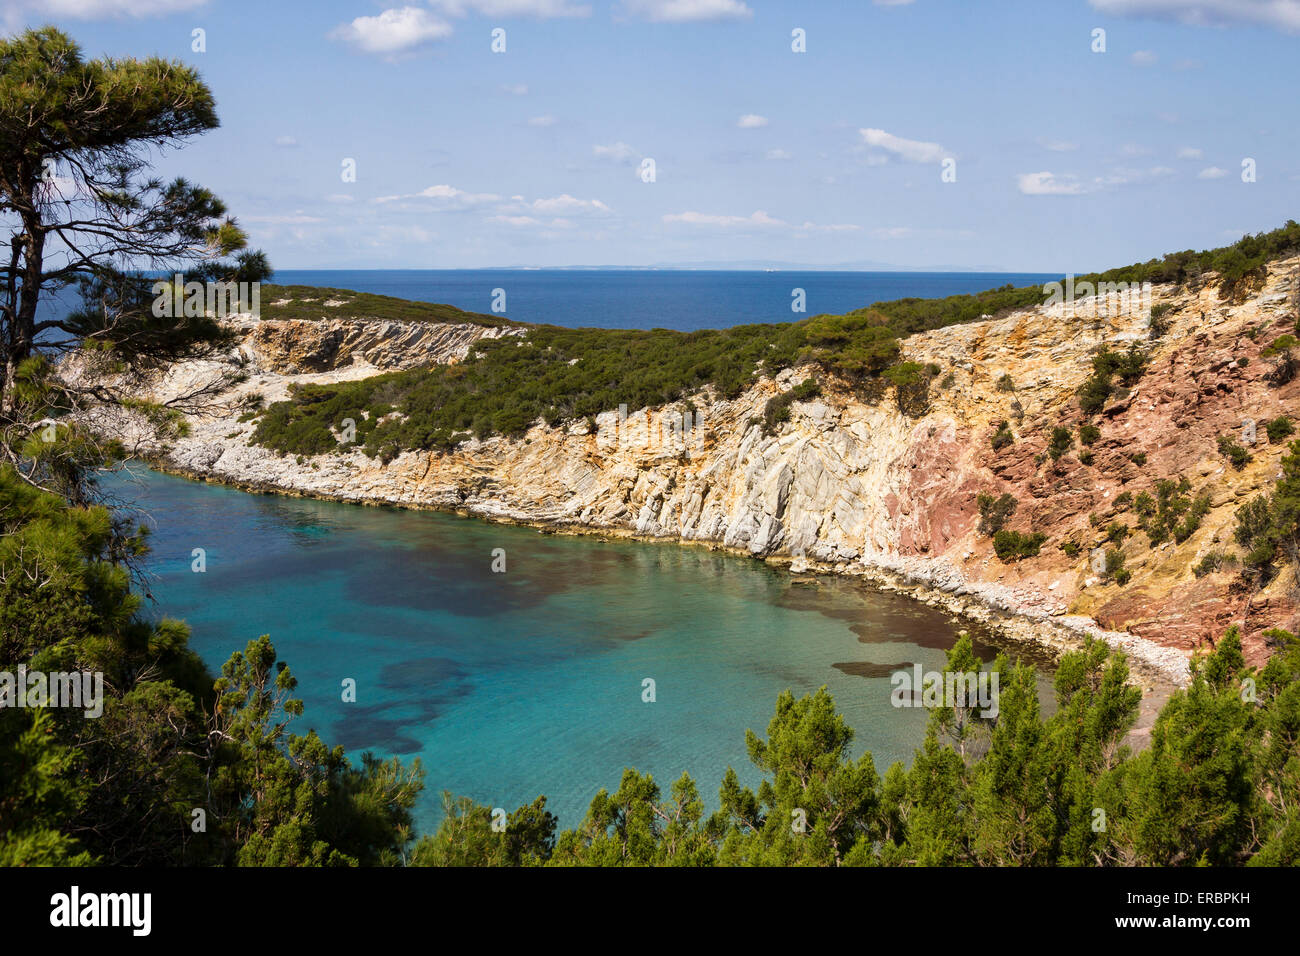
(869, 669)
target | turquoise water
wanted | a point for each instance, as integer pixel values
(530, 681)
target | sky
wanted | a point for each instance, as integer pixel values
(942, 134)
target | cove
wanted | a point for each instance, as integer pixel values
(509, 685)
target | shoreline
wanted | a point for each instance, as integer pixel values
(1158, 670)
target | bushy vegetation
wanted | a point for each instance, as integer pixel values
(777, 410)
(1013, 545)
(1279, 429)
(1268, 526)
(1171, 512)
(1230, 449)
(1089, 434)
(1060, 442)
(1160, 319)
(994, 512)
(1107, 366)
(556, 375)
(1002, 436)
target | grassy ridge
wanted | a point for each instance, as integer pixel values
(560, 374)
(309, 302)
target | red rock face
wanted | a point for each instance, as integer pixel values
(1195, 388)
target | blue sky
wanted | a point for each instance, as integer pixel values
(1065, 159)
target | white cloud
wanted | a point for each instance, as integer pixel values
(1049, 184)
(910, 150)
(1212, 172)
(286, 142)
(777, 154)
(1143, 58)
(569, 205)
(340, 198)
(1190, 152)
(515, 220)
(446, 196)
(540, 9)
(1134, 149)
(751, 121)
(619, 152)
(685, 11)
(515, 89)
(1059, 145)
(891, 3)
(1279, 14)
(395, 31)
(543, 121)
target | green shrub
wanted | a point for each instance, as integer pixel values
(1212, 561)
(1172, 513)
(1116, 532)
(911, 381)
(1085, 457)
(1229, 448)
(1060, 442)
(1012, 545)
(1138, 458)
(1106, 367)
(1088, 434)
(1005, 383)
(777, 410)
(1279, 429)
(1003, 436)
(1071, 548)
(994, 512)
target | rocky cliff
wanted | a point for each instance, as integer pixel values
(852, 485)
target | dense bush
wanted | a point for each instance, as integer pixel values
(1002, 436)
(1106, 367)
(1172, 512)
(994, 512)
(777, 410)
(1279, 429)
(1012, 545)
(1060, 442)
(1229, 448)
(1268, 526)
